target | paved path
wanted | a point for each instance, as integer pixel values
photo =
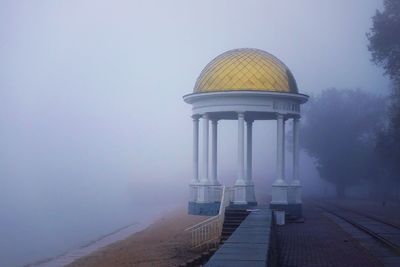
(319, 242)
(248, 245)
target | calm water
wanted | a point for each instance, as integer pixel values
(33, 233)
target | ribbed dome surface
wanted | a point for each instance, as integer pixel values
(246, 69)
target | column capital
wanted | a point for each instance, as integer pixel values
(196, 117)
(279, 116)
(296, 119)
(205, 115)
(249, 121)
(214, 121)
(240, 114)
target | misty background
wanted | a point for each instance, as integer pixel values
(94, 132)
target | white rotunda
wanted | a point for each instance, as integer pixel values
(244, 85)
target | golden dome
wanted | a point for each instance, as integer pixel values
(246, 69)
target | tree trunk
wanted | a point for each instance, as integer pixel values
(340, 191)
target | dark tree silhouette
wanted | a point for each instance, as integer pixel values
(384, 45)
(388, 150)
(384, 39)
(338, 132)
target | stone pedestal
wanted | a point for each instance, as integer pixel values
(240, 195)
(205, 199)
(294, 194)
(244, 195)
(279, 194)
(193, 192)
(294, 201)
(203, 194)
(288, 199)
(204, 209)
(215, 193)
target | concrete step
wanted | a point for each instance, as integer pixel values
(233, 218)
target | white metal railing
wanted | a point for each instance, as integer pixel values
(208, 232)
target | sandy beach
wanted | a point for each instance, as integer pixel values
(163, 243)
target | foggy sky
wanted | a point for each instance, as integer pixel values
(91, 109)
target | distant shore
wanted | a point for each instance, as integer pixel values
(163, 243)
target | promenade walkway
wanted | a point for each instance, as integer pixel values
(319, 241)
(248, 245)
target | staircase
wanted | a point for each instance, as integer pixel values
(233, 218)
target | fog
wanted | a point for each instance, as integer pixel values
(94, 132)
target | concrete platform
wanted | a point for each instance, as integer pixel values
(203, 209)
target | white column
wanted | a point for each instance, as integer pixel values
(280, 187)
(249, 158)
(203, 192)
(240, 179)
(204, 178)
(214, 143)
(294, 190)
(280, 151)
(195, 179)
(296, 152)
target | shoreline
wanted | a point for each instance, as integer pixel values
(161, 243)
(92, 246)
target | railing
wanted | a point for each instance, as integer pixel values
(208, 232)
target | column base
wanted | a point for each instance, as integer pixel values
(279, 194)
(193, 192)
(204, 199)
(215, 193)
(204, 194)
(244, 195)
(293, 211)
(294, 194)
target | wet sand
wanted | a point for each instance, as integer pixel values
(163, 243)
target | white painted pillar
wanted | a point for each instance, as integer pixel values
(249, 158)
(280, 151)
(204, 178)
(296, 152)
(214, 144)
(195, 179)
(240, 179)
(280, 187)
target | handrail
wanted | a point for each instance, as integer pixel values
(208, 232)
